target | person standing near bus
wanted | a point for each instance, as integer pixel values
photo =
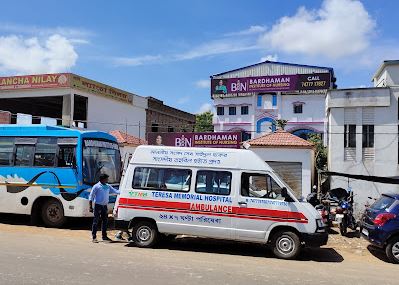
(99, 196)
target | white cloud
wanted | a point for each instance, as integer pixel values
(211, 48)
(203, 83)
(269, 57)
(215, 48)
(69, 32)
(21, 55)
(183, 100)
(204, 108)
(136, 61)
(339, 28)
(250, 31)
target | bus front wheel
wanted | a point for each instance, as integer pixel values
(53, 213)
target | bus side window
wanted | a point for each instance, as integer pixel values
(66, 156)
(24, 155)
(6, 151)
(46, 149)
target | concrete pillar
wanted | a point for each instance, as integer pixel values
(67, 110)
(359, 135)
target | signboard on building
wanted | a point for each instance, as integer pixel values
(92, 86)
(64, 80)
(216, 140)
(296, 83)
(56, 80)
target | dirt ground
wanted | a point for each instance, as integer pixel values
(39, 255)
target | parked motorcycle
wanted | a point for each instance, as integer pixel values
(320, 207)
(344, 215)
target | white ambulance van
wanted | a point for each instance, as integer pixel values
(214, 193)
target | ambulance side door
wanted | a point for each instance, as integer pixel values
(216, 190)
(259, 206)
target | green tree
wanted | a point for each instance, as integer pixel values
(281, 123)
(203, 122)
(320, 151)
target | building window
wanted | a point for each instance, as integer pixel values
(154, 128)
(244, 110)
(170, 129)
(350, 135)
(232, 111)
(274, 100)
(298, 108)
(259, 102)
(368, 136)
(220, 111)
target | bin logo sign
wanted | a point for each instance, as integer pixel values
(216, 140)
(296, 83)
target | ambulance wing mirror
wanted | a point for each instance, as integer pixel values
(286, 195)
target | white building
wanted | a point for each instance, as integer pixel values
(363, 134)
(73, 101)
(301, 100)
(291, 157)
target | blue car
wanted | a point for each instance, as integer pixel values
(380, 225)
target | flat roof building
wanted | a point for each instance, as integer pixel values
(73, 101)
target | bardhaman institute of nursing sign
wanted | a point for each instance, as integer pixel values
(296, 83)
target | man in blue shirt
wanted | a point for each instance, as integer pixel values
(99, 195)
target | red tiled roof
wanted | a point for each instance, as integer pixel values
(280, 138)
(126, 139)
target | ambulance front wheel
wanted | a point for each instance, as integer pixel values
(286, 245)
(145, 234)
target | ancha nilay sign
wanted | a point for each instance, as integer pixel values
(216, 140)
(301, 83)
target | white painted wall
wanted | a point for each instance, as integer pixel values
(103, 114)
(305, 156)
(226, 122)
(313, 116)
(107, 114)
(385, 162)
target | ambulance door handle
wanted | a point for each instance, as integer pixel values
(242, 204)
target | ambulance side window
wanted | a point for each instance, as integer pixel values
(260, 185)
(164, 179)
(213, 182)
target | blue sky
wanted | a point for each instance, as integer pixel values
(168, 49)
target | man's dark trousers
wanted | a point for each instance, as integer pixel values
(100, 212)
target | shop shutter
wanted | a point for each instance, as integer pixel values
(291, 173)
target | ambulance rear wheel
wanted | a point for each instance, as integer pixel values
(145, 234)
(286, 245)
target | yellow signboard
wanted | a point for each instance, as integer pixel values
(95, 87)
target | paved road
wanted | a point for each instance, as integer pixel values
(36, 255)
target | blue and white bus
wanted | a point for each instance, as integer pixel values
(48, 171)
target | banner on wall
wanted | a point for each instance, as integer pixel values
(64, 80)
(215, 140)
(34, 81)
(296, 83)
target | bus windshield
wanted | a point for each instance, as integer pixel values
(101, 157)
